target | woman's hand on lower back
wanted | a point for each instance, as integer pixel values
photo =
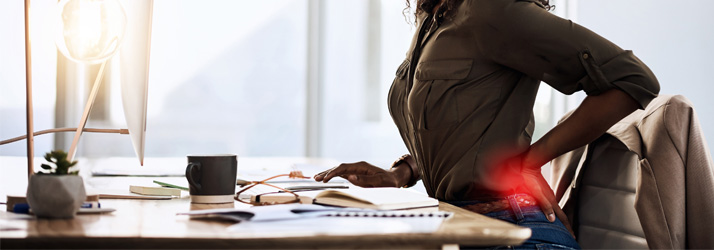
(519, 171)
(539, 188)
(361, 174)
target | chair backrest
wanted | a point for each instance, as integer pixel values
(652, 172)
(606, 216)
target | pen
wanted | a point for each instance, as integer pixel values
(164, 184)
(92, 204)
(24, 208)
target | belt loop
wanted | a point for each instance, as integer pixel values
(516, 209)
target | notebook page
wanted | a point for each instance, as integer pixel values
(383, 198)
(345, 224)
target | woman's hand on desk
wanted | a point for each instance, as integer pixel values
(364, 174)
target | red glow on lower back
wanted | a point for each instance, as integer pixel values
(504, 172)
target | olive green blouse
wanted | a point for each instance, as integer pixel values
(465, 92)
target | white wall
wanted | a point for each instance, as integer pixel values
(674, 38)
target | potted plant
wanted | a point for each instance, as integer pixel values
(59, 191)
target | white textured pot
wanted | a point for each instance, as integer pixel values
(55, 196)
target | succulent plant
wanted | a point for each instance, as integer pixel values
(62, 166)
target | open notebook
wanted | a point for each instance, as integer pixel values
(371, 198)
(310, 220)
(301, 211)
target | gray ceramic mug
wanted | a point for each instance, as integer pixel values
(212, 178)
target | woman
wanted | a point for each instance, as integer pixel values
(463, 100)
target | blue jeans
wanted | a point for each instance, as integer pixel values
(544, 234)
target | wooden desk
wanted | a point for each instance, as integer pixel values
(154, 224)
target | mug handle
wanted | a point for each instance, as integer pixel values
(191, 170)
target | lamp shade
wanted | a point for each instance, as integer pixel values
(134, 57)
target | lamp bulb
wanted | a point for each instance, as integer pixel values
(90, 31)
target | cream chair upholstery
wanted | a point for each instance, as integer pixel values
(606, 213)
(649, 178)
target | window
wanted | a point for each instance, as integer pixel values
(225, 77)
(12, 74)
(233, 77)
(259, 78)
(675, 41)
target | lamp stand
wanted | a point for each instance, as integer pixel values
(29, 115)
(85, 114)
(28, 94)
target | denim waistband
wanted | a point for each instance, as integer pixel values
(462, 203)
(544, 234)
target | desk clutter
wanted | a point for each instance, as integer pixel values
(371, 198)
(19, 205)
(321, 208)
(351, 211)
(147, 221)
(302, 211)
(311, 219)
(137, 193)
(160, 191)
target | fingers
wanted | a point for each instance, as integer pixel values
(533, 185)
(321, 175)
(544, 203)
(336, 171)
(327, 175)
(541, 191)
(361, 174)
(564, 219)
(548, 192)
(547, 195)
(552, 210)
(549, 205)
(345, 169)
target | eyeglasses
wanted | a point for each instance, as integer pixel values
(295, 174)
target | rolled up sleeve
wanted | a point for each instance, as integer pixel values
(522, 35)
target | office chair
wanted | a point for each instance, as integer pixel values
(648, 182)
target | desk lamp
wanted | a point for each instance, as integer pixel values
(90, 32)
